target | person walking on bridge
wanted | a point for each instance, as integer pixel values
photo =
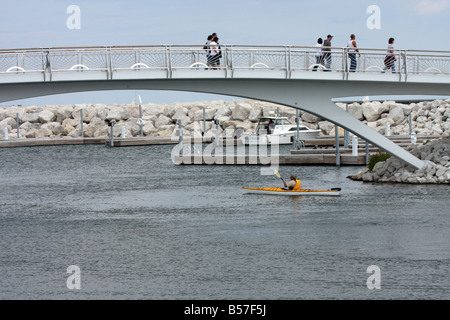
(352, 50)
(208, 50)
(389, 60)
(215, 58)
(319, 54)
(327, 52)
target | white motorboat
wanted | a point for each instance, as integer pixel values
(278, 130)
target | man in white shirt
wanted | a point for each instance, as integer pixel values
(352, 52)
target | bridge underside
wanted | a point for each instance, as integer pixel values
(313, 96)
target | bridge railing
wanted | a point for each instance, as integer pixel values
(289, 59)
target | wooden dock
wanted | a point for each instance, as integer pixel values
(118, 142)
(38, 142)
(284, 159)
(320, 151)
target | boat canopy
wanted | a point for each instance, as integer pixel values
(275, 120)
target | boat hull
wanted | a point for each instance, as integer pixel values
(302, 192)
(285, 138)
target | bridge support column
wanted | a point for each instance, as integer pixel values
(336, 115)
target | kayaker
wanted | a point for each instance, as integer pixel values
(294, 184)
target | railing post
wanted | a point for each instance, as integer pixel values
(344, 64)
(48, 66)
(169, 62)
(231, 61)
(287, 57)
(405, 64)
(108, 63)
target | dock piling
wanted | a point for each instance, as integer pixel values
(81, 122)
(17, 121)
(338, 154)
(111, 143)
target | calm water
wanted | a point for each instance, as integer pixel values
(140, 227)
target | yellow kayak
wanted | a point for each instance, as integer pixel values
(301, 192)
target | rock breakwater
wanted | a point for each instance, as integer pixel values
(428, 118)
(436, 155)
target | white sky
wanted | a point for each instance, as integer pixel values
(415, 24)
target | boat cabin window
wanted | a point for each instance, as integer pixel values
(264, 124)
(299, 128)
(277, 122)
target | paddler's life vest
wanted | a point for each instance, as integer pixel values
(298, 183)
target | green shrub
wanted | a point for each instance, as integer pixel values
(377, 158)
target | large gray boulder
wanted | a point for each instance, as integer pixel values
(326, 127)
(162, 121)
(55, 127)
(396, 114)
(32, 117)
(118, 114)
(356, 111)
(89, 113)
(133, 126)
(63, 112)
(46, 116)
(96, 128)
(9, 122)
(372, 111)
(149, 129)
(166, 130)
(154, 109)
(241, 111)
(308, 117)
(223, 111)
(255, 113)
(209, 114)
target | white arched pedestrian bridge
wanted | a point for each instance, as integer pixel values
(287, 75)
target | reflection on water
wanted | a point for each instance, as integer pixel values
(139, 226)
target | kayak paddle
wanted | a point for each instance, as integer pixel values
(278, 175)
